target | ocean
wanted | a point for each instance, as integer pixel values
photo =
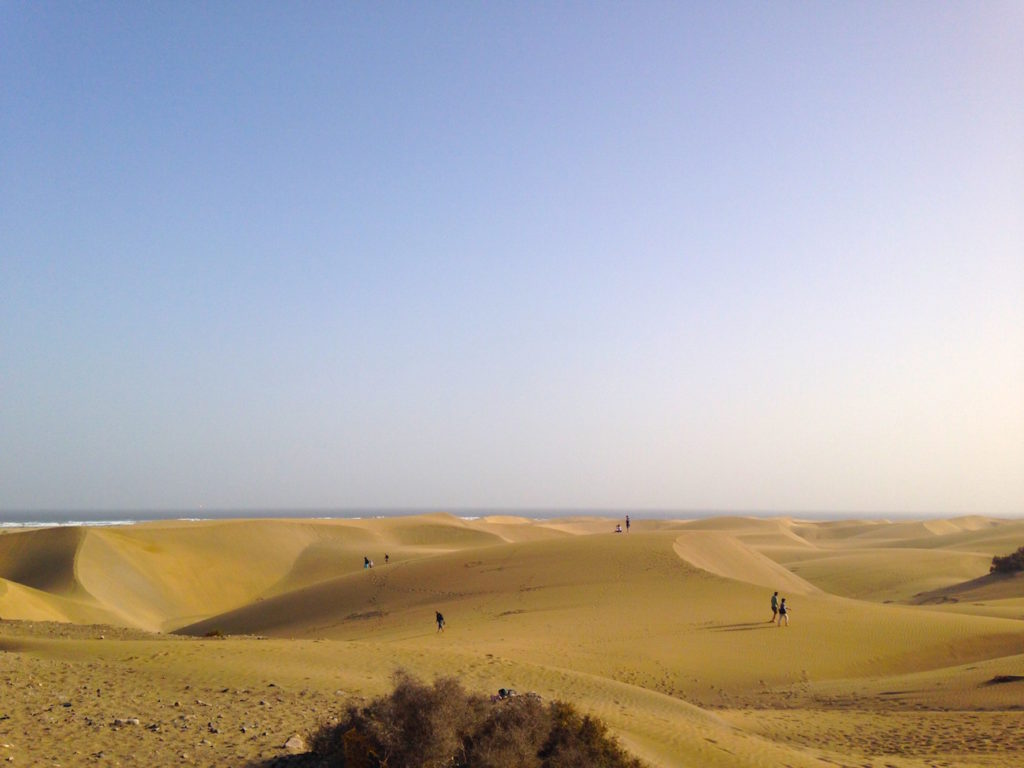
(49, 518)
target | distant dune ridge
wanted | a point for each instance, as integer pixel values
(663, 632)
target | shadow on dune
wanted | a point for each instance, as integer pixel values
(741, 627)
(46, 559)
(1000, 679)
(991, 586)
(306, 760)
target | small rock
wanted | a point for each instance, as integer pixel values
(295, 744)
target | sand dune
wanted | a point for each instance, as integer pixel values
(24, 602)
(879, 574)
(662, 632)
(43, 559)
(725, 555)
(992, 586)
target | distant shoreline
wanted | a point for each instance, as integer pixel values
(50, 518)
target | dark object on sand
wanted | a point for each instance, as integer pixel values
(1005, 679)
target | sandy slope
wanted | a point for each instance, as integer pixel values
(662, 632)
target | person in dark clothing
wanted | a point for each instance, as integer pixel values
(775, 607)
(783, 612)
(440, 622)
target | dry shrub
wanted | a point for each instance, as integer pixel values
(429, 726)
(512, 734)
(1012, 563)
(576, 741)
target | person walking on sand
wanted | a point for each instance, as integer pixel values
(775, 607)
(366, 562)
(783, 612)
(440, 621)
(387, 557)
(627, 523)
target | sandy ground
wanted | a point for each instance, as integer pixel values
(901, 651)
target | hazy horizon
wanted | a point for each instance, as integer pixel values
(16, 518)
(737, 256)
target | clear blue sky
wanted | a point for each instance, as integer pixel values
(747, 256)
